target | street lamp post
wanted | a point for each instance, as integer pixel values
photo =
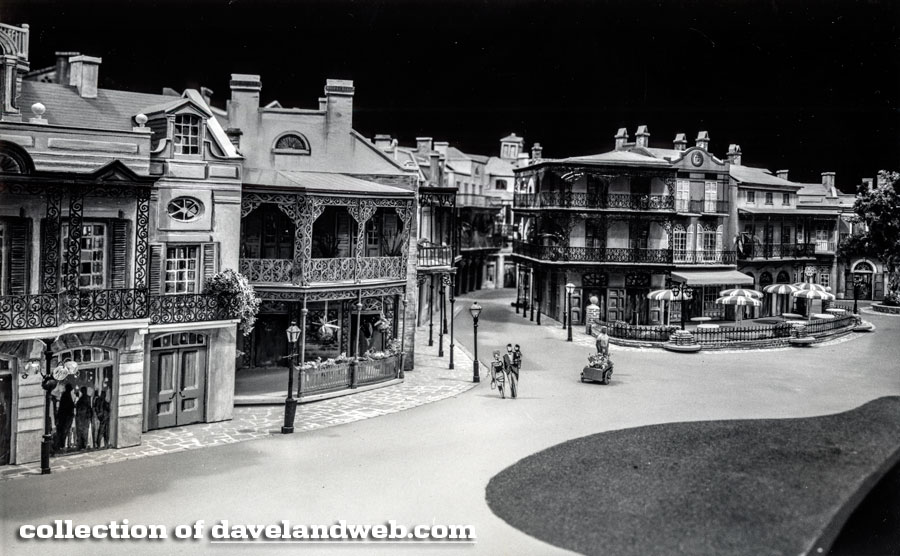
(570, 289)
(401, 374)
(452, 279)
(442, 324)
(475, 311)
(684, 293)
(290, 404)
(303, 313)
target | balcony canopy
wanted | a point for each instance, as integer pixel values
(788, 211)
(712, 277)
(321, 182)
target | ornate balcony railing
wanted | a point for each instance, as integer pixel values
(97, 305)
(332, 270)
(593, 254)
(18, 312)
(702, 206)
(326, 379)
(825, 247)
(267, 270)
(188, 307)
(378, 268)
(346, 268)
(434, 255)
(704, 257)
(570, 199)
(777, 251)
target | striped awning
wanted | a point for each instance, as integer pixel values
(711, 277)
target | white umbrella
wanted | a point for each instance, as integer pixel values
(781, 289)
(741, 292)
(664, 295)
(807, 286)
(739, 300)
(813, 294)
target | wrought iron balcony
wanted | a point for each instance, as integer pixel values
(478, 201)
(825, 247)
(188, 307)
(777, 251)
(592, 254)
(704, 257)
(346, 268)
(434, 255)
(19, 312)
(97, 305)
(270, 271)
(569, 199)
(701, 206)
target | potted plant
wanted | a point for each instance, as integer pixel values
(234, 292)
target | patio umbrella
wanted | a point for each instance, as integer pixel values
(741, 292)
(781, 289)
(664, 295)
(739, 300)
(806, 286)
(813, 294)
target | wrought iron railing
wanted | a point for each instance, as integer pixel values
(701, 206)
(98, 305)
(18, 312)
(379, 268)
(625, 331)
(370, 371)
(326, 379)
(188, 307)
(332, 270)
(822, 326)
(777, 251)
(573, 199)
(365, 268)
(825, 247)
(593, 254)
(731, 335)
(267, 270)
(434, 255)
(704, 257)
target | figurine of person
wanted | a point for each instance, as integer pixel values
(498, 372)
(65, 415)
(101, 413)
(512, 371)
(603, 342)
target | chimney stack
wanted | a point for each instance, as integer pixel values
(339, 103)
(642, 136)
(243, 107)
(680, 142)
(84, 71)
(423, 144)
(441, 147)
(63, 67)
(828, 182)
(783, 174)
(702, 141)
(207, 94)
(383, 141)
(734, 154)
(621, 138)
(323, 103)
(536, 151)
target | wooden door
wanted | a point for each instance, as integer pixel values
(163, 391)
(177, 386)
(709, 197)
(615, 305)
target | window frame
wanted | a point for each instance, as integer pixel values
(106, 250)
(786, 199)
(751, 197)
(198, 269)
(770, 198)
(177, 130)
(306, 150)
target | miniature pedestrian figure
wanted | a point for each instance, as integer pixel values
(511, 374)
(101, 414)
(514, 371)
(65, 415)
(82, 419)
(498, 374)
(603, 342)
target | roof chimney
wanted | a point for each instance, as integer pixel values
(621, 138)
(642, 136)
(536, 151)
(323, 103)
(383, 141)
(83, 74)
(734, 154)
(783, 174)
(441, 147)
(828, 182)
(680, 142)
(339, 103)
(63, 66)
(423, 144)
(703, 140)
(207, 94)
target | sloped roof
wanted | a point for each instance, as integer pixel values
(513, 138)
(455, 154)
(320, 182)
(813, 189)
(669, 154)
(617, 158)
(760, 176)
(111, 110)
(497, 166)
(451, 168)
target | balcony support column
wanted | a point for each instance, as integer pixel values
(142, 239)
(362, 212)
(73, 248)
(50, 243)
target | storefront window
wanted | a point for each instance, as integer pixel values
(82, 403)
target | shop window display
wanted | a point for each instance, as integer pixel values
(82, 403)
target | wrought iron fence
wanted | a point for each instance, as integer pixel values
(825, 247)
(370, 371)
(326, 379)
(645, 332)
(18, 312)
(434, 255)
(821, 326)
(188, 307)
(332, 270)
(704, 257)
(267, 270)
(592, 254)
(777, 251)
(729, 336)
(97, 305)
(581, 199)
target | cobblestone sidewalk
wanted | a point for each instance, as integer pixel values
(429, 381)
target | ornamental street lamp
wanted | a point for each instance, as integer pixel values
(442, 323)
(685, 293)
(452, 301)
(475, 311)
(290, 404)
(570, 289)
(401, 374)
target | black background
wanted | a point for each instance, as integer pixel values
(808, 86)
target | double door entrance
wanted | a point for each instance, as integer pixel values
(177, 380)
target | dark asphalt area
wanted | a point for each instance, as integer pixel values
(745, 487)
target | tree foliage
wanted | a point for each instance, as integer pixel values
(879, 208)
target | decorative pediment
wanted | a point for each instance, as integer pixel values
(117, 172)
(184, 105)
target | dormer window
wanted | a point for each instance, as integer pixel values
(291, 143)
(187, 134)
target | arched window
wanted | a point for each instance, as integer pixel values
(14, 160)
(292, 143)
(679, 243)
(765, 279)
(783, 277)
(863, 266)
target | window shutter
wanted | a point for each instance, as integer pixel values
(210, 261)
(119, 267)
(18, 256)
(345, 242)
(157, 259)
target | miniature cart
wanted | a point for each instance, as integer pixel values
(599, 369)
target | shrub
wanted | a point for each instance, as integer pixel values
(237, 295)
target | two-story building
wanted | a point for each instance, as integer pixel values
(115, 209)
(327, 229)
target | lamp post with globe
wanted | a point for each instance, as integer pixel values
(290, 404)
(475, 311)
(570, 289)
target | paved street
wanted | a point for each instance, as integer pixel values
(431, 464)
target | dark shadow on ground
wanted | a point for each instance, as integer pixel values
(774, 486)
(874, 528)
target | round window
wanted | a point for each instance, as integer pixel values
(184, 209)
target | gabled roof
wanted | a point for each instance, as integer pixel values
(668, 154)
(174, 104)
(814, 189)
(512, 138)
(320, 182)
(617, 158)
(760, 176)
(497, 166)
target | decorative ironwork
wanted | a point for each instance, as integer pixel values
(370, 371)
(73, 248)
(704, 257)
(434, 255)
(381, 268)
(312, 210)
(561, 253)
(97, 305)
(776, 250)
(437, 198)
(270, 271)
(325, 379)
(142, 239)
(331, 270)
(594, 200)
(184, 209)
(50, 244)
(19, 312)
(270, 306)
(405, 212)
(188, 307)
(637, 280)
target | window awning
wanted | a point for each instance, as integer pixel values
(712, 277)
